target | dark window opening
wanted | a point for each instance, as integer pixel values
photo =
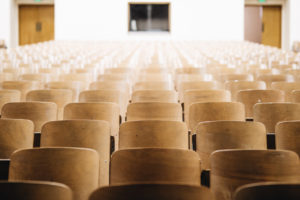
(149, 17)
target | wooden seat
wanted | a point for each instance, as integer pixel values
(235, 86)
(201, 96)
(234, 77)
(78, 168)
(196, 85)
(15, 134)
(218, 135)
(153, 85)
(35, 77)
(109, 112)
(271, 113)
(151, 192)
(94, 134)
(231, 169)
(251, 97)
(215, 111)
(154, 165)
(287, 136)
(112, 85)
(7, 96)
(84, 78)
(75, 86)
(287, 87)
(7, 77)
(101, 96)
(38, 112)
(113, 77)
(23, 86)
(152, 77)
(60, 97)
(268, 191)
(34, 190)
(270, 78)
(156, 133)
(154, 111)
(168, 96)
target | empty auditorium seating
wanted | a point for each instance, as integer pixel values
(7, 96)
(235, 86)
(23, 86)
(169, 96)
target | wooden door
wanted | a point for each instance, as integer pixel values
(36, 23)
(272, 26)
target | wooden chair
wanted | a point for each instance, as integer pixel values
(152, 77)
(201, 96)
(231, 169)
(287, 88)
(35, 77)
(268, 191)
(34, 190)
(271, 113)
(154, 165)
(153, 133)
(270, 78)
(151, 192)
(191, 77)
(7, 77)
(113, 77)
(94, 134)
(234, 77)
(15, 134)
(84, 78)
(75, 86)
(153, 85)
(287, 136)
(251, 97)
(78, 168)
(215, 111)
(154, 111)
(238, 135)
(23, 86)
(196, 85)
(168, 96)
(101, 96)
(112, 85)
(235, 86)
(38, 112)
(7, 96)
(109, 112)
(60, 97)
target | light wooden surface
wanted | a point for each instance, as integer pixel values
(231, 169)
(23, 86)
(34, 190)
(154, 165)
(15, 134)
(153, 133)
(235, 86)
(287, 88)
(29, 16)
(151, 192)
(168, 96)
(38, 112)
(78, 168)
(94, 134)
(7, 96)
(218, 135)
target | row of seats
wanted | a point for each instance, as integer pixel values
(153, 131)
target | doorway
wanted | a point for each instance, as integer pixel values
(36, 23)
(263, 24)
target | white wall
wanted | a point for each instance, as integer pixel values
(190, 19)
(5, 13)
(294, 35)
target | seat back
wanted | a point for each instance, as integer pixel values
(218, 135)
(94, 134)
(38, 112)
(235, 86)
(287, 88)
(23, 86)
(153, 133)
(154, 111)
(7, 96)
(168, 96)
(34, 190)
(78, 168)
(231, 169)
(154, 165)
